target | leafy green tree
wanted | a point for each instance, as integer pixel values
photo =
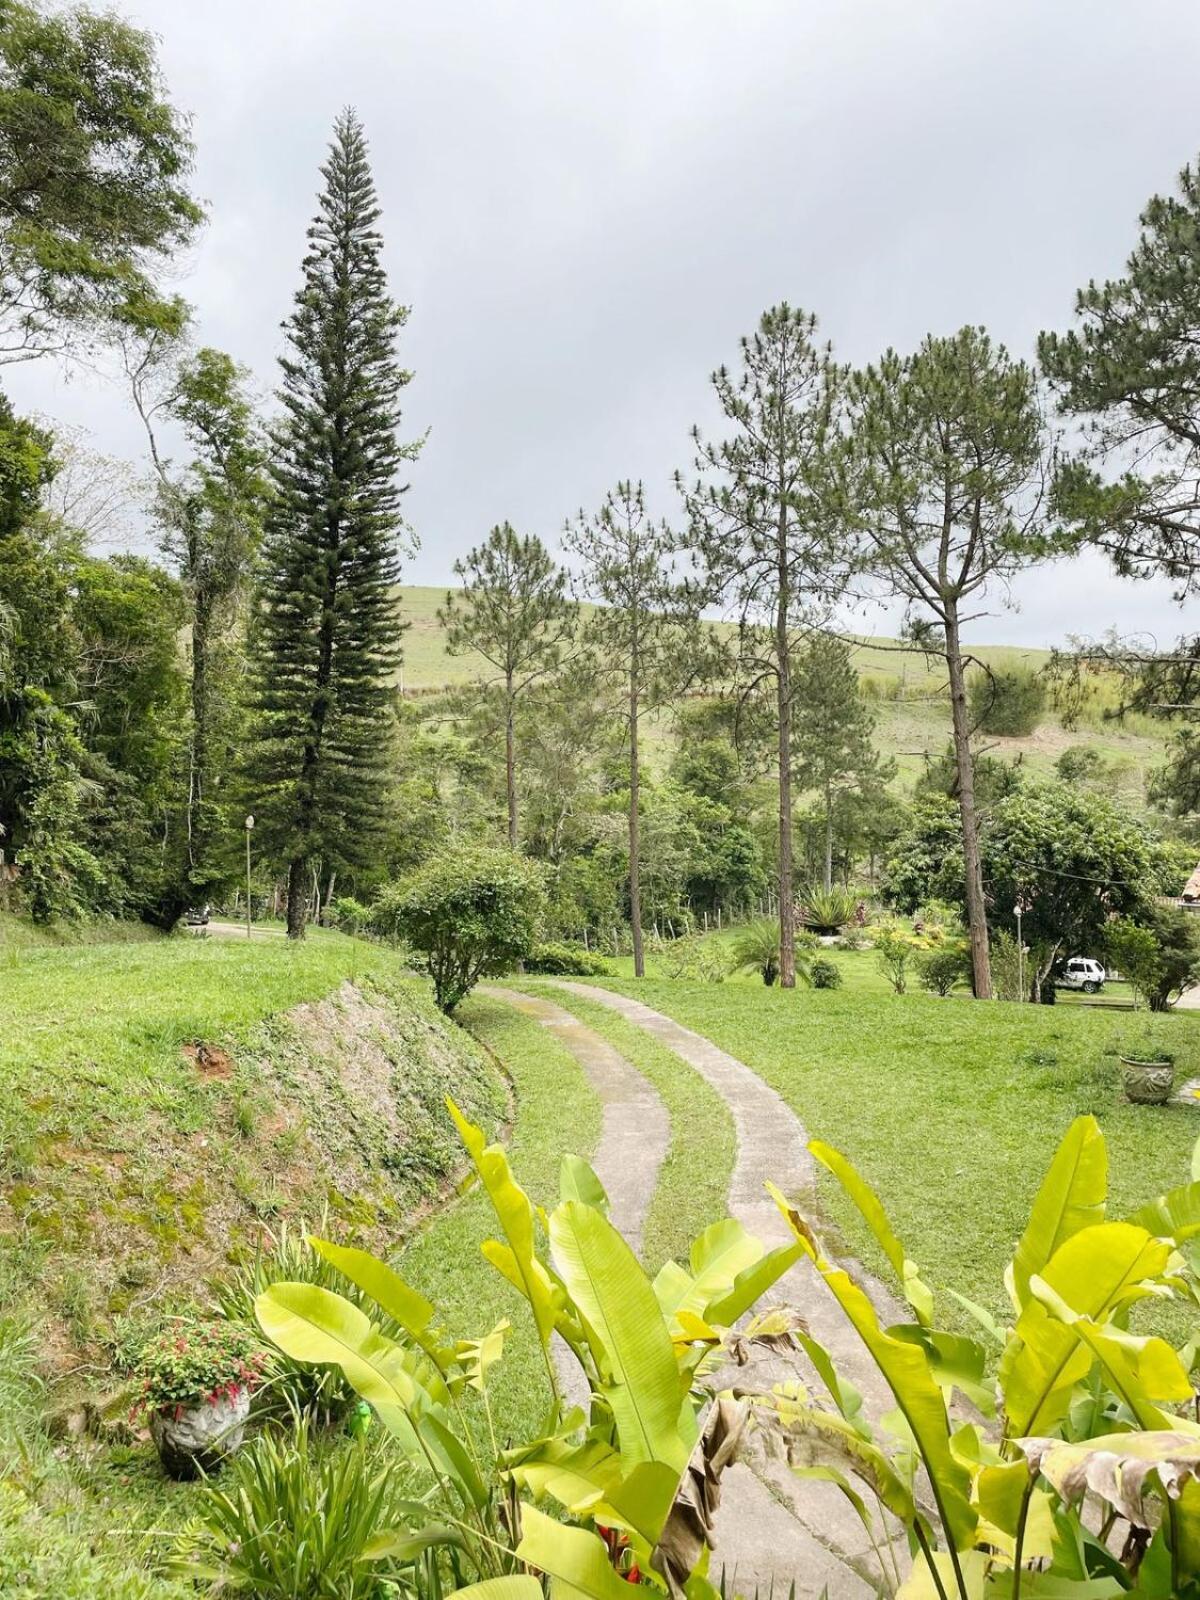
(209, 513)
(513, 611)
(764, 523)
(926, 862)
(832, 730)
(94, 163)
(328, 634)
(1007, 702)
(470, 912)
(645, 630)
(1159, 954)
(949, 449)
(1071, 860)
(993, 777)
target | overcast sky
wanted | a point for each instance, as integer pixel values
(586, 205)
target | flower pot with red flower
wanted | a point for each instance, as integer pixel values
(196, 1383)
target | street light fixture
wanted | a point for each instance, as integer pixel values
(1017, 910)
(249, 831)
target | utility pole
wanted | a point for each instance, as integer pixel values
(249, 831)
(1017, 909)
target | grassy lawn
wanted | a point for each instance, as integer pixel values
(693, 1182)
(557, 1112)
(951, 1109)
(132, 1165)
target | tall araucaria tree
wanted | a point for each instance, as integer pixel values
(949, 450)
(514, 611)
(645, 629)
(327, 637)
(765, 521)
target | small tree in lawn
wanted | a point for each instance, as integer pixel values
(949, 452)
(645, 629)
(469, 913)
(514, 611)
(765, 521)
(833, 727)
(328, 634)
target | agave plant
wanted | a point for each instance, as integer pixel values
(827, 910)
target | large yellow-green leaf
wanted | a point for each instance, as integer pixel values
(730, 1271)
(517, 1586)
(1001, 1493)
(576, 1475)
(864, 1197)
(1071, 1197)
(391, 1294)
(514, 1211)
(905, 1367)
(578, 1181)
(623, 1319)
(575, 1560)
(313, 1324)
(1131, 1471)
(1174, 1215)
(970, 1567)
(1095, 1272)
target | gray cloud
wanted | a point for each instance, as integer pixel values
(586, 206)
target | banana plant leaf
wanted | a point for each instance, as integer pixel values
(575, 1560)
(1071, 1197)
(916, 1292)
(515, 1213)
(1096, 1272)
(516, 1586)
(390, 1293)
(314, 1324)
(578, 1181)
(631, 1341)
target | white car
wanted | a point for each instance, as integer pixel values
(1081, 972)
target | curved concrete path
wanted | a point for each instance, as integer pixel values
(774, 1529)
(628, 1101)
(829, 1549)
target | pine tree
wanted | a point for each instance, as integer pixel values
(951, 457)
(328, 633)
(832, 728)
(645, 627)
(766, 523)
(514, 612)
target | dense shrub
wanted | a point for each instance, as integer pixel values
(558, 959)
(756, 949)
(939, 970)
(695, 958)
(1008, 702)
(350, 915)
(1160, 957)
(825, 974)
(468, 913)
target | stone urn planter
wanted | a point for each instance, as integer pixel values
(1148, 1082)
(197, 1379)
(195, 1439)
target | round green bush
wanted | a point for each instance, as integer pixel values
(558, 959)
(825, 974)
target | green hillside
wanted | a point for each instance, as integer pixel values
(913, 713)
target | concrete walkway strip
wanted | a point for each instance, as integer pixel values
(636, 1129)
(829, 1550)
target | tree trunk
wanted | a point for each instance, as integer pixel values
(329, 897)
(196, 821)
(976, 908)
(783, 678)
(635, 865)
(297, 897)
(510, 763)
(828, 840)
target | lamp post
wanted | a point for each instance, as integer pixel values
(249, 831)
(1017, 910)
